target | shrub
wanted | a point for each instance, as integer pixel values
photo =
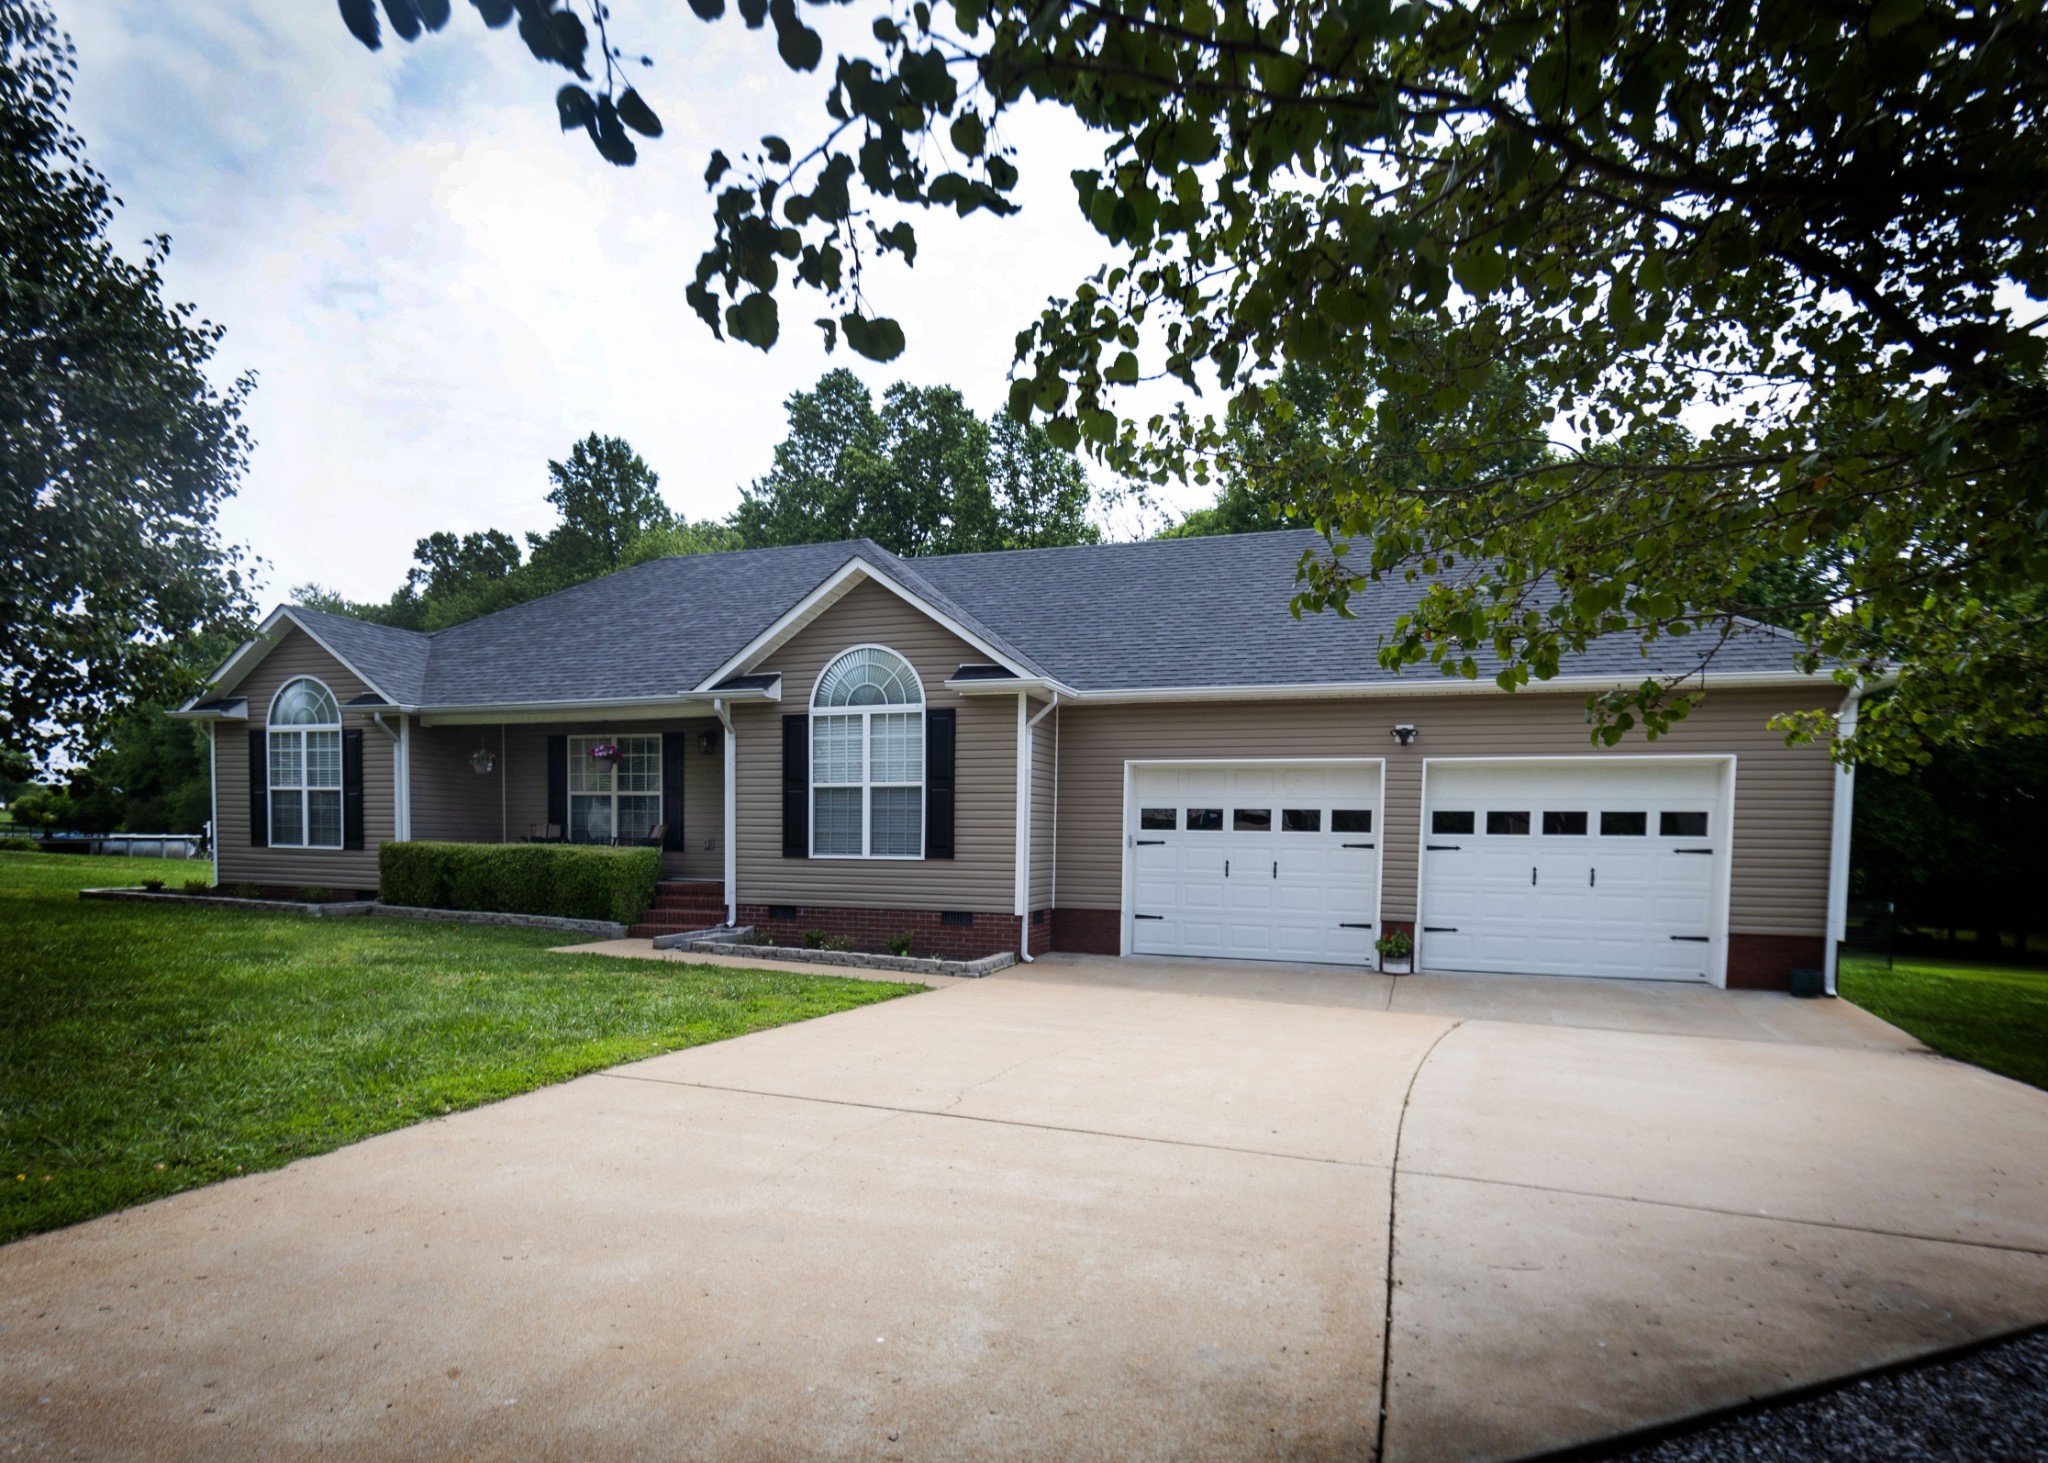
(814, 939)
(900, 944)
(316, 894)
(247, 890)
(567, 881)
(17, 845)
(841, 943)
(198, 886)
(154, 886)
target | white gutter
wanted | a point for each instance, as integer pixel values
(1437, 686)
(1838, 845)
(732, 803)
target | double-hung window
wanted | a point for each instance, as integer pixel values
(619, 797)
(305, 766)
(867, 758)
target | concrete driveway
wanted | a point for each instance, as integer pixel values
(1089, 1209)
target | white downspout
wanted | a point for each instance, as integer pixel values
(732, 801)
(1026, 730)
(1838, 845)
(1021, 894)
(213, 766)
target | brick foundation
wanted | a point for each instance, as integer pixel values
(1765, 962)
(872, 929)
(1087, 931)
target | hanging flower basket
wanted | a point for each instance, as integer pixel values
(481, 762)
(604, 754)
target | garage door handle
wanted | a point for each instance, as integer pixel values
(1226, 868)
(1440, 847)
(1439, 929)
(1148, 916)
(1532, 876)
(1592, 878)
(1355, 927)
(1361, 845)
(1692, 850)
(1151, 843)
(1691, 939)
(1276, 868)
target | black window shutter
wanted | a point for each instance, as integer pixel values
(796, 787)
(558, 782)
(259, 789)
(938, 783)
(352, 789)
(674, 747)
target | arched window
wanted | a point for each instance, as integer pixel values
(305, 766)
(867, 758)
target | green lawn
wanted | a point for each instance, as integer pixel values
(147, 1049)
(1993, 1015)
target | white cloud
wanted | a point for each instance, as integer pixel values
(440, 292)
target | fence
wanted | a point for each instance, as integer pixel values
(134, 845)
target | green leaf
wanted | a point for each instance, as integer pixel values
(878, 339)
(754, 320)
(635, 113)
(968, 135)
(1889, 15)
(800, 47)
(1123, 371)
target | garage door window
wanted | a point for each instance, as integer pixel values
(1507, 823)
(1624, 825)
(1205, 820)
(1449, 823)
(1251, 820)
(1682, 825)
(1359, 820)
(1568, 824)
(1156, 820)
(1301, 820)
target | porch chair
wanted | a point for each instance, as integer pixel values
(549, 833)
(654, 838)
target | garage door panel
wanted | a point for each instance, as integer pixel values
(1592, 887)
(1253, 866)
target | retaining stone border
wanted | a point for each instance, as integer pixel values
(727, 942)
(224, 901)
(601, 929)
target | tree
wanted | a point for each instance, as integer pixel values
(608, 496)
(116, 452)
(920, 475)
(1815, 227)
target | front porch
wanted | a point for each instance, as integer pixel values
(540, 783)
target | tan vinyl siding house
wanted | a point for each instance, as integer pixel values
(1207, 775)
(240, 862)
(980, 877)
(1780, 860)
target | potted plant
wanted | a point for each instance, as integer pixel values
(481, 761)
(1395, 947)
(604, 754)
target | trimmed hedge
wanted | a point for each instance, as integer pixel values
(569, 881)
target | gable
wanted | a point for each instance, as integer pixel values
(868, 614)
(295, 654)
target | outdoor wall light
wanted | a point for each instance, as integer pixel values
(1404, 734)
(707, 743)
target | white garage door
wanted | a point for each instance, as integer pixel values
(1256, 861)
(1550, 868)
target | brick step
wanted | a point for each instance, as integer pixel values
(694, 886)
(685, 901)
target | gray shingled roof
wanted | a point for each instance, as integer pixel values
(1157, 615)
(1187, 612)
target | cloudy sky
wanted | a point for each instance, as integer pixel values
(439, 291)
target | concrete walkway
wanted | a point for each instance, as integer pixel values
(1079, 1209)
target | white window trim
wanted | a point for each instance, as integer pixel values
(271, 733)
(867, 784)
(660, 774)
